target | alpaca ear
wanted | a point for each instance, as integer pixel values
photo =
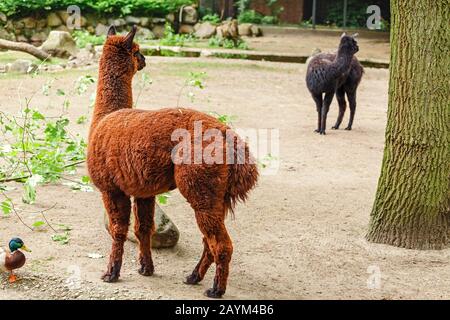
(344, 34)
(130, 37)
(112, 31)
(356, 35)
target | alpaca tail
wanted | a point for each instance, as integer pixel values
(242, 175)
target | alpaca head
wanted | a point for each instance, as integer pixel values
(120, 52)
(348, 44)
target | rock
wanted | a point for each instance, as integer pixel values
(101, 30)
(144, 21)
(190, 15)
(22, 66)
(29, 23)
(186, 29)
(158, 31)
(171, 17)
(117, 22)
(39, 37)
(60, 44)
(6, 35)
(145, 34)
(53, 20)
(41, 23)
(132, 20)
(228, 30)
(3, 18)
(205, 30)
(63, 27)
(245, 29)
(256, 31)
(158, 20)
(21, 38)
(3, 68)
(166, 232)
(63, 15)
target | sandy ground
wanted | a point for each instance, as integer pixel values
(301, 234)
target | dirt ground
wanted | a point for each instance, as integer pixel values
(301, 234)
(373, 45)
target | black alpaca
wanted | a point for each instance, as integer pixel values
(338, 73)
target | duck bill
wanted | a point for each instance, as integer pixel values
(24, 248)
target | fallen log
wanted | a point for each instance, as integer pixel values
(24, 47)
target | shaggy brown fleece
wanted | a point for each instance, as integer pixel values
(130, 155)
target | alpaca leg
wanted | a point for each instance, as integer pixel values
(144, 211)
(340, 95)
(221, 247)
(351, 95)
(118, 206)
(318, 100)
(325, 108)
(200, 270)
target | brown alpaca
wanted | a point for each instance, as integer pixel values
(130, 155)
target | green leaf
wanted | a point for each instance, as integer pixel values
(38, 224)
(60, 92)
(6, 207)
(61, 238)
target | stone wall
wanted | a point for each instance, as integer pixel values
(292, 13)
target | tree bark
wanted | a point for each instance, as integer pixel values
(412, 204)
(24, 47)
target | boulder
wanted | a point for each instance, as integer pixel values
(190, 15)
(41, 23)
(117, 22)
(29, 23)
(158, 31)
(22, 66)
(39, 37)
(158, 21)
(21, 38)
(171, 17)
(166, 232)
(101, 30)
(53, 20)
(205, 30)
(132, 20)
(186, 29)
(63, 15)
(256, 31)
(60, 44)
(7, 35)
(144, 21)
(228, 30)
(245, 29)
(145, 34)
(3, 18)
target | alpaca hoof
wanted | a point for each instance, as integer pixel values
(214, 293)
(317, 131)
(323, 133)
(193, 279)
(108, 277)
(146, 271)
(348, 128)
(335, 128)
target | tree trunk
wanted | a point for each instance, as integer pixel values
(25, 47)
(412, 204)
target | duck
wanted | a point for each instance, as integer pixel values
(14, 258)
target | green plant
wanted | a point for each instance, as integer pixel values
(82, 38)
(157, 8)
(216, 42)
(213, 18)
(37, 149)
(250, 16)
(172, 39)
(356, 13)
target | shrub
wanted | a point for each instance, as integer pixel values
(356, 14)
(213, 18)
(121, 7)
(250, 16)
